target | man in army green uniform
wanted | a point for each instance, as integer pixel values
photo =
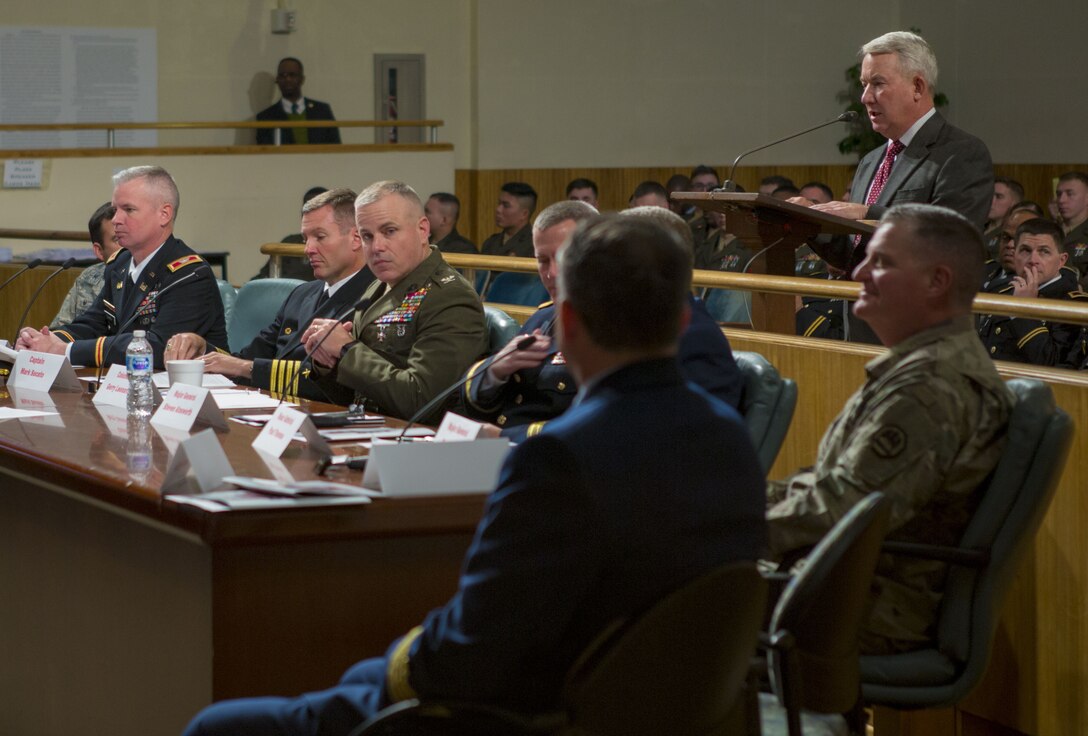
(420, 324)
(1040, 273)
(926, 428)
(89, 283)
(1072, 198)
(514, 210)
(443, 210)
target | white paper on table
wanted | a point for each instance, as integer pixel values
(9, 413)
(349, 434)
(210, 380)
(243, 399)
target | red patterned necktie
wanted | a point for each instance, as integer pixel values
(883, 172)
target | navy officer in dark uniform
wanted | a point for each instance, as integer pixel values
(523, 389)
(140, 282)
(272, 360)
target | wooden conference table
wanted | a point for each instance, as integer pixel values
(124, 613)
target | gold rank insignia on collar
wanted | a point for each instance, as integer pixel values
(183, 262)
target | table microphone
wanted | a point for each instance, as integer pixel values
(521, 344)
(32, 264)
(359, 304)
(128, 322)
(731, 186)
(64, 267)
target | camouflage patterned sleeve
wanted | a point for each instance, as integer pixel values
(903, 446)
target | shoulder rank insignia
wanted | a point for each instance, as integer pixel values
(447, 279)
(183, 262)
(114, 255)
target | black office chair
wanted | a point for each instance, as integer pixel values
(501, 328)
(812, 640)
(767, 405)
(983, 565)
(676, 669)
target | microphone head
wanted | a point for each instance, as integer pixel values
(849, 116)
(68, 264)
(34, 263)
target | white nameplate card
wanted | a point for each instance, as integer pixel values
(201, 456)
(283, 425)
(42, 372)
(434, 468)
(183, 406)
(456, 428)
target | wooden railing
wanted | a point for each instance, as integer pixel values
(112, 128)
(1048, 309)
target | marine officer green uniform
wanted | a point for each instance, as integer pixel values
(413, 340)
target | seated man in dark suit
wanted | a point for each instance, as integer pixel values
(645, 485)
(520, 390)
(272, 360)
(154, 283)
(293, 106)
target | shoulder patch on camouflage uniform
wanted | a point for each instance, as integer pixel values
(889, 442)
(183, 262)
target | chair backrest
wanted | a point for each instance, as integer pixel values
(229, 295)
(256, 306)
(727, 305)
(767, 405)
(823, 609)
(1008, 516)
(524, 289)
(678, 668)
(501, 328)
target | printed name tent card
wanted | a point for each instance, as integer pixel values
(113, 391)
(283, 425)
(183, 406)
(42, 372)
(434, 468)
(204, 457)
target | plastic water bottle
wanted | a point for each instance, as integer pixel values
(139, 365)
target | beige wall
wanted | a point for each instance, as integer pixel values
(231, 203)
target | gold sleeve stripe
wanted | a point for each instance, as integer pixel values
(815, 323)
(534, 429)
(99, 351)
(396, 671)
(468, 386)
(64, 335)
(221, 351)
(1031, 336)
(282, 372)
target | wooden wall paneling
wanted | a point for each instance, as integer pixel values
(17, 295)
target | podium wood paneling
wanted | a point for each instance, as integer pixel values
(15, 297)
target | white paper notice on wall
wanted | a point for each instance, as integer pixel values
(23, 173)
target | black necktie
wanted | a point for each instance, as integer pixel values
(322, 300)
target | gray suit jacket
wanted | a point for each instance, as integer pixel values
(942, 165)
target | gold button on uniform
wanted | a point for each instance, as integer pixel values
(562, 386)
(998, 331)
(287, 330)
(518, 399)
(993, 350)
(501, 421)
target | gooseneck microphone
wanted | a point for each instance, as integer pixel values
(31, 264)
(361, 303)
(22, 319)
(128, 322)
(730, 185)
(427, 408)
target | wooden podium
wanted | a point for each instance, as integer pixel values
(774, 229)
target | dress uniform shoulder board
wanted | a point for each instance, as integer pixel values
(114, 255)
(1078, 294)
(184, 261)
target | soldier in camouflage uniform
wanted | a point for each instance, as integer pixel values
(926, 428)
(89, 283)
(1072, 198)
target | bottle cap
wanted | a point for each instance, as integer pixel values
(139, 333)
